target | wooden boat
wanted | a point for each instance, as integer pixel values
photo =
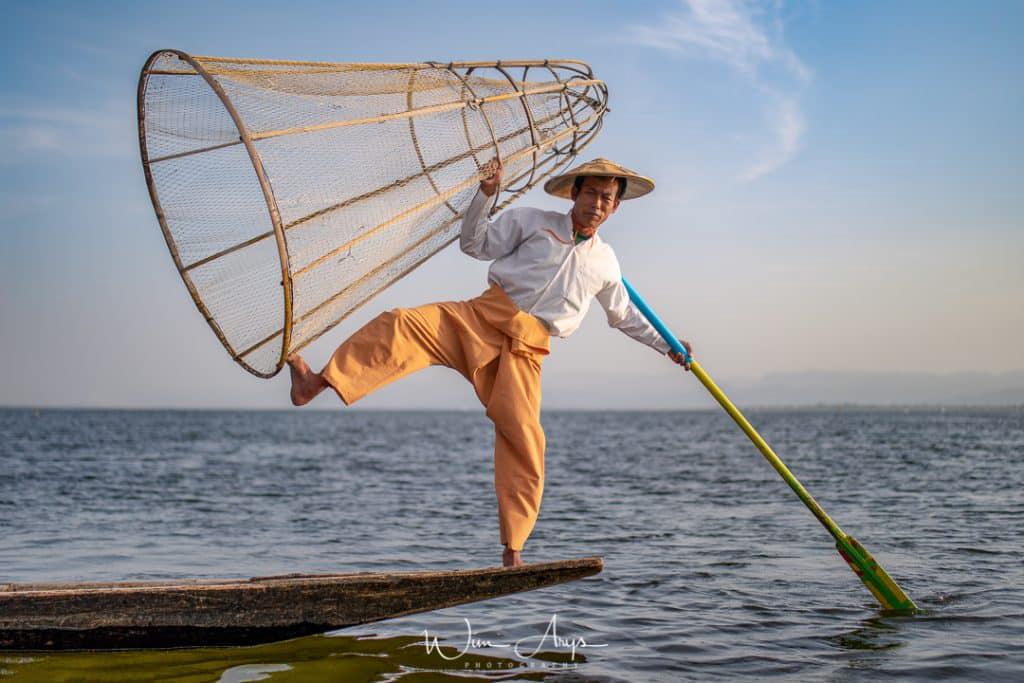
(199, 612)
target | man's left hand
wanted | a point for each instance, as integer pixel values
(492, 172)
(679, 358)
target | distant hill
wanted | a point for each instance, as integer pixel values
(808, 388)
(670, 391)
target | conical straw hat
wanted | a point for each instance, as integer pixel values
(636, 184)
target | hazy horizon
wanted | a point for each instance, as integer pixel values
(808, 390)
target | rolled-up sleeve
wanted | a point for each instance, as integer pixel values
(489, 239)
(627, 318)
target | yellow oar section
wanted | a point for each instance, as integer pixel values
(878, 581)
(881, 585)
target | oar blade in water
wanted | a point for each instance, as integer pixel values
(882, 586)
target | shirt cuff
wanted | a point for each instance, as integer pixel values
(478, 206)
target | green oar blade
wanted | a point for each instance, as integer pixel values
(881, 585)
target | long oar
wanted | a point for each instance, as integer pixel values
(881, 585)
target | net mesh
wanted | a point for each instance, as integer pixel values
(290, 193)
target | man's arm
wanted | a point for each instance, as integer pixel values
(486, 239)
(625, 317)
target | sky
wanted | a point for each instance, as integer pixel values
(838, 196)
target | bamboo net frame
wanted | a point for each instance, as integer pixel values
(291, 193)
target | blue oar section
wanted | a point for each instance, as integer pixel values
(662, 328)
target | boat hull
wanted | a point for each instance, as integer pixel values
(247, 611)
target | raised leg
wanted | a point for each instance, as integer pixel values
(395, 344)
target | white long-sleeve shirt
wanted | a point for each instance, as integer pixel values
(547, 275)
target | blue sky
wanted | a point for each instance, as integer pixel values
(838, 190)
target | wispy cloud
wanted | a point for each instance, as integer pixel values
(787, 123)
(30, 127)
(747, 38)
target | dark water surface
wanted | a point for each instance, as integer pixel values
(713, 569)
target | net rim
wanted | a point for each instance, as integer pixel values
(371, 66)
(268, 195)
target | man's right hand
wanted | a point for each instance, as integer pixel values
(679, 358)
(493, 170)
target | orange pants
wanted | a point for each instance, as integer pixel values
(495, 346)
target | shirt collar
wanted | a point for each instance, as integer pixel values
(567, 229)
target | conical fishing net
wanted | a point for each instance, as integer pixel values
(290, 193)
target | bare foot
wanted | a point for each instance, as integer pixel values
(306, 384)
(511, 558)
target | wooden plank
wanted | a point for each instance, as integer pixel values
(247, 611)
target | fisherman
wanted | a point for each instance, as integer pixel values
(547, 266)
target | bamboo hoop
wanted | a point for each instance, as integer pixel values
(268, 194)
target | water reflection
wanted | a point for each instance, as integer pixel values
(311, 659)
(875, 634)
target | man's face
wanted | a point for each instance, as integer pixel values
(596, 199)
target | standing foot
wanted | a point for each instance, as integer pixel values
(511, 558)
(306, 384)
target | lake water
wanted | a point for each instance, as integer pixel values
(713, 568)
